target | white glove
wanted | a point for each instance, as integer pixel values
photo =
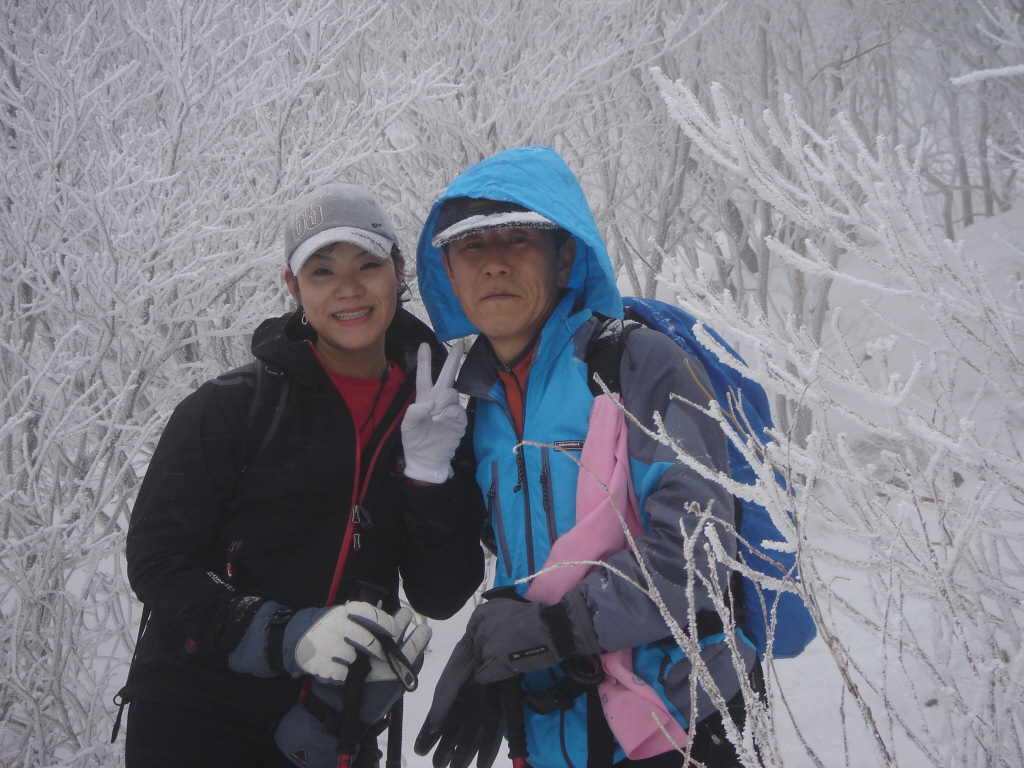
(436, 422)
(383, 686)
(388, 680)
(330, 644)
(412, 647)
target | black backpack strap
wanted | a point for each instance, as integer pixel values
(600, 739)
(121, 699)
(605, 350)
(273, 386)
(394, 757)
(736, 597)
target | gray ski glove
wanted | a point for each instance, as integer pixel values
(308, 734)
(322, 642)
(511, 636)
(506, 637)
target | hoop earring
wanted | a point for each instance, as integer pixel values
(304, 320)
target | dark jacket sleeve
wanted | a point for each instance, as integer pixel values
(443, 562)
(173, 563)
(653, 369)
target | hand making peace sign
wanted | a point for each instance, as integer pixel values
(436, 422)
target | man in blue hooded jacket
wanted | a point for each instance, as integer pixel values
(511, 252)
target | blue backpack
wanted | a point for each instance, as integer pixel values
(794, 627)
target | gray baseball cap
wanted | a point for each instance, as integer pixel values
(337, 213)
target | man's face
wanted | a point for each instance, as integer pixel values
(508, 282)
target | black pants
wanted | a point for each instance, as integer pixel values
(169, 737)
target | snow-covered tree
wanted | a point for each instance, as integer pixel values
(907, 493)
(148, 150)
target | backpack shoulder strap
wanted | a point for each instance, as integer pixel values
(605, 350)
(273, 385)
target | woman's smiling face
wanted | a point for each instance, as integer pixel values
(349, 297)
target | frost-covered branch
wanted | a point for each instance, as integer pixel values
(907, 493)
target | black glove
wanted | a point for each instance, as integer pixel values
(506, 637)
(474, 725)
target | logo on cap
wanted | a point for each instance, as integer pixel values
(309, 216)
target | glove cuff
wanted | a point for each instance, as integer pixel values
(234, 621)
(250, 655)
(556, 619)
(583, 632)
(294, 629)
(275, 638)
(424, 471)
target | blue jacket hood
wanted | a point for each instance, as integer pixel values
(538, 179)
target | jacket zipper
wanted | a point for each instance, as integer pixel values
(494, 512)
(527, 520)
(360, 486)
(521, 485)
(546, 494)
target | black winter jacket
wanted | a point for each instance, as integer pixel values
(210, 539)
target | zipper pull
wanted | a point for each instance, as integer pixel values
(232, 552)
(520, 469)
(491, 494)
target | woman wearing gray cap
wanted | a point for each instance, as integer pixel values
(281, 506)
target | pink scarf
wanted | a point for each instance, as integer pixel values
(630, 705)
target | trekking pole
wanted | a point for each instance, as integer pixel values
(351, 729)
(515, 721)
(394, 758)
